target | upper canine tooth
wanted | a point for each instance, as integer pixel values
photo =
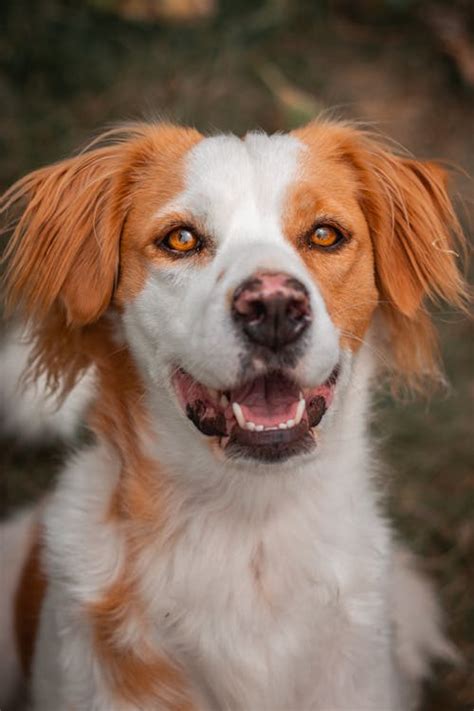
(239, 415)
(251, 426)
(290, 423)
(224, 401)
(299, 411)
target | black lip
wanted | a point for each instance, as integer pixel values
(210, 426)
(277, 445)
(270, 445)
(316, 409)
(268, 437)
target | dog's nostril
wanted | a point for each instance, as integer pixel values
(256, 311)
(273, 310)
(298, 308)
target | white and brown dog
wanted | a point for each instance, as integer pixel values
(220, 544)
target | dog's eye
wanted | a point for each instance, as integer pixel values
(181, 240)
(325, 236)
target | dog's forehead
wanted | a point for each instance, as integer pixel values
(229, 180)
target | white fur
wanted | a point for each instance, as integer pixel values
(316, 630)
(26, 409)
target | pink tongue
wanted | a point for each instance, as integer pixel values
(267, 400)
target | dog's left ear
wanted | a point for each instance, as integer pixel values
(416, 239)
(415, 236)
(414, 233)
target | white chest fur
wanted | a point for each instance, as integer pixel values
(265, 620)
(262, 613)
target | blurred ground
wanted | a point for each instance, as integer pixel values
(67, 69)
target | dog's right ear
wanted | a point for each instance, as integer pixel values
(63, 253)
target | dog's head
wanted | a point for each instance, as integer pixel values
(243, 274)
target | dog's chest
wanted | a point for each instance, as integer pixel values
(246, 613)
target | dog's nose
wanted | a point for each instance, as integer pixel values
(273, 309)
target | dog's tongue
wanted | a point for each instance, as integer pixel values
(268, 400)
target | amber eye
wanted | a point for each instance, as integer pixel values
(181, 240)
(325, 236)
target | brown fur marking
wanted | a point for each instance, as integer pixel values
(28, 600)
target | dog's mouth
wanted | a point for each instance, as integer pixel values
(269, 418)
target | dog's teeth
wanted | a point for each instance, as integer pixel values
(238, 414)
(300, 411)
(269, 429)
(301, 396)
(214, 395)
(282, 426)
(224, 401)
(290, 423)
(259, 428)
(251, 426)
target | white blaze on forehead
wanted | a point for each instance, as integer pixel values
(236, 187)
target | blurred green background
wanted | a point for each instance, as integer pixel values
(406, 68)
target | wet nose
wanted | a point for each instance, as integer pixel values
(272, 309)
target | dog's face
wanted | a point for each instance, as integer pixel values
(258, 285)
(246, 272)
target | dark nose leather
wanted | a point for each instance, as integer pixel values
(272, 309)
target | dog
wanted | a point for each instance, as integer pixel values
(225, 306)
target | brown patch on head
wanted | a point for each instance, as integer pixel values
(76, 247)
(158, 178)
(401, 247)
(28, 602)
(327, 192)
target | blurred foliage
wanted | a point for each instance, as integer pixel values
(155, 10)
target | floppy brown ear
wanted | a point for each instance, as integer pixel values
(63, 254)
(416, 255)
(416, 238)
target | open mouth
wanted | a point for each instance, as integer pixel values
(269, 418)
